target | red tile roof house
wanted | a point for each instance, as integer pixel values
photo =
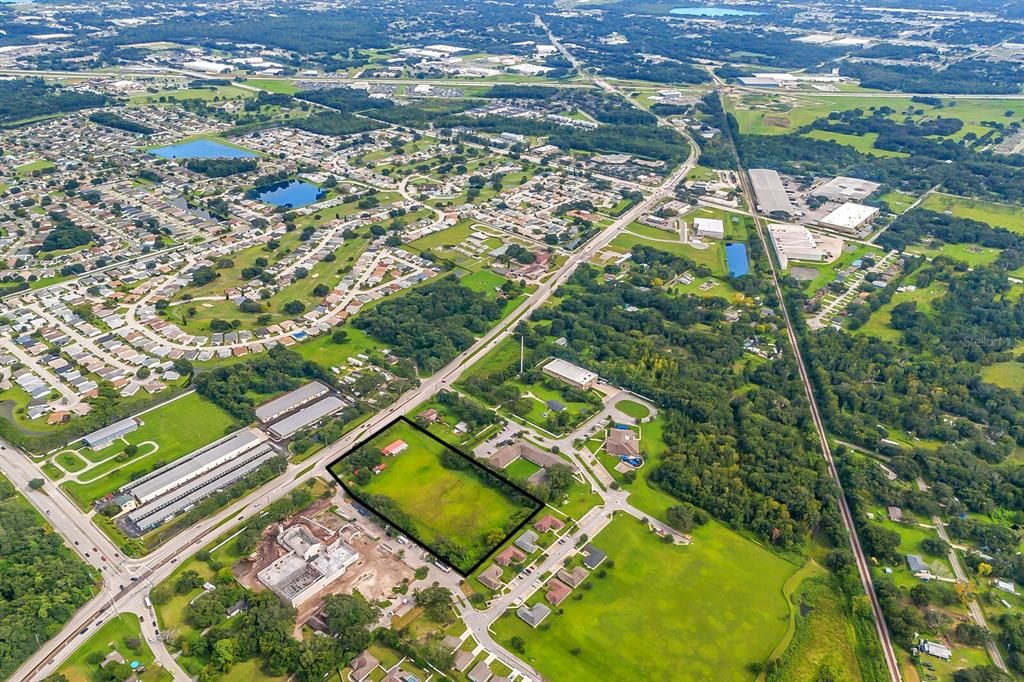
(548, 523)
(511, 555)
(394, 448)
(557, 592)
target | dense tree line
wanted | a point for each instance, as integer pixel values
(335, 123)
(112, 120)
(65, 234)
(30, 97)
(747, 456)
(222, 168)
(431, 324)
(968, 76)
(277, 371)
(42, 583)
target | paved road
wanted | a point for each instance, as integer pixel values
(961, 575)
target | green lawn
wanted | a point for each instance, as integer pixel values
(713, 256)
(455, 234)
(972, 254)
(31, 166)
(898, 201)
(664, 612)
(779, 113)
(996, 215)
(70, 462)
(1005, 374)
(483, 281)
(112, 636)
(177, 428)
(632, 408)
(277, 85)
(326, 353)
(460, 505)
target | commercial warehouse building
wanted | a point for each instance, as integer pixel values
(97, 440)
(794, 242)
(193, 465)
(290, 401)
(849, 218)
(770, 192)
(842, 189)
(306, 416)
(249, 450)
(712, 228)
(571, 374)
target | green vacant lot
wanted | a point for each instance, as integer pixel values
(1005, 374)
(177, 428)
(113, 637)
(463, 506)
(664, 612)
(865, 144)
(996, 215)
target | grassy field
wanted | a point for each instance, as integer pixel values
(823, 640)
(878, 323)
(278, 85)
(112, 637)
(898, 201)
(713, 256)
(323, 351)
(31, 166)
(710, 610)
(972, 254)
(632, 409)
(865, 144)
(177, 428)
(779, 113)
(460, 505)
(483, 281)
(1005, 374)
(996, 215)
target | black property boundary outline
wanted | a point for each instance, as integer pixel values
(402, 418)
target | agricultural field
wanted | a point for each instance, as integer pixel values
(717, 604)
(444, 500)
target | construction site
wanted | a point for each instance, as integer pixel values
(321, 550)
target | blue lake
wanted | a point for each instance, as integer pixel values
(201, 149)
(293, 193)
(736, 259)
(712, 12)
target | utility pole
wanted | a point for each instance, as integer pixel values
(521, 342)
